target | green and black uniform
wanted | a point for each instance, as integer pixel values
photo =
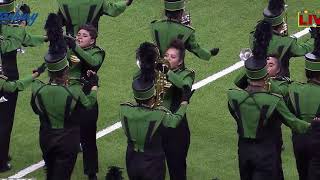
(14, 38)
(305, 104)
(176, 141)
(165, 31)
(144, 128)
(257, 115)
(78, 13)
(59, 132)
(7, 86)
(91, 58)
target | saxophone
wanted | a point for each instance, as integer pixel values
(161, 82)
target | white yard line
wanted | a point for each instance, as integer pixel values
(117, 125)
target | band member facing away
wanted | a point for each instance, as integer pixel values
(56, 103)
(85, 55)
(177, 140)
(78, 13)
(143, 121)
(282, 45)
(165, 31)
(257, 112)
(13, 37)
(305, 104)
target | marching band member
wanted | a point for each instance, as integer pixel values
(257, 112)
(13, 37)
(85, 55)
(57, 104)
(78, 13)
(165, 31)
(143, 121)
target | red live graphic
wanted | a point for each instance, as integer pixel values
(308, 19)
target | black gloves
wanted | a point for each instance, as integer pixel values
(129, 2)
(25, 9)
(93, 79)
(186, 93)
(71, 42)
(214, 51)
(162, 68)
(40, 69)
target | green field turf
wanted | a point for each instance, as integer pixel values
(213, 150)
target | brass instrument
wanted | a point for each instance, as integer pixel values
(284, 27)
(161, 82)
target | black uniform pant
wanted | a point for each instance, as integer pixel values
(176, 143)
(145, 165)
(279, 147)
(7, 111)
(60, 149)
(88, 129)
(314, 168)
(258, 160)
(302, 152)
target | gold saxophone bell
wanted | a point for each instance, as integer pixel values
(161, 82)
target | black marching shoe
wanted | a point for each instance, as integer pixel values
(5, 167)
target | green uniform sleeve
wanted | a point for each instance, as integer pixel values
(290, 119)
(94, 59)
(18, 85)
(88, 101)
(298, 48)
(241, 80)
(193, 46)
(172, 120)
(33, 40)
(114, 9)
(181, 80)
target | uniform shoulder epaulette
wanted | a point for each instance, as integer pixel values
(283, 78)
(236, 88)
(276, 94)
(127, 104)
(154, 21)
(3, 77)
(162, 108)
(98, 48)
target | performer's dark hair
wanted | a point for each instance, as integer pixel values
(312, 74)
(59, 77)
(179, 45)
(91, 29)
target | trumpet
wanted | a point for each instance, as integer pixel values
(161, 82)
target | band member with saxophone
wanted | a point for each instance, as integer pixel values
(165, 31)
(257, 112)
(57, 103)
(13, 37)
(78, 13)
(143, 121)
(176, 141)
(282, 45)
(85, 55)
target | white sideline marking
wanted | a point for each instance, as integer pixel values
(117, 125)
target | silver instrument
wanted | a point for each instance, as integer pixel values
(245, 54)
